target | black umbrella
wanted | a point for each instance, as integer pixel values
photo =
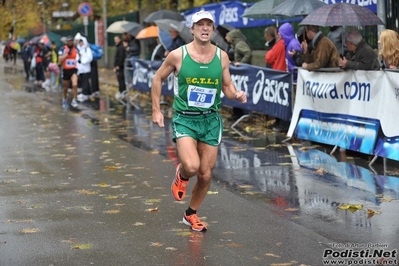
(163, 14)
(223, 29)
(133, 28)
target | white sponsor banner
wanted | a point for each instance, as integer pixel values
(355, 110)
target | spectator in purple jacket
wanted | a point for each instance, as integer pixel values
(291, 43)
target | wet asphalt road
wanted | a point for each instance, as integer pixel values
(89, 187)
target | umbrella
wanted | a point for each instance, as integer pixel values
(35, 39)
(165, 39)
(342, 14)
(295, 8)
(45, 39)
(15, 45)
(148, 32)
(223, 29)
(21, 40)
(116, 27)
(220, 41)
(163, 14)
(168, 24)
(261, 9)
(132, 28)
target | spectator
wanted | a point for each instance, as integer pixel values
(242, 51)
(337, 36)
(275, 57)
(389, 51)
(270, 37)
(26, 57)
(54, 60)
(177, 41)
(360, 55)
(41, 62)
(159, 52)
(298, 54)
(119, 64)
(242, 54)
(84, 68)
(291, 44)
(324, 52)
(133, 50)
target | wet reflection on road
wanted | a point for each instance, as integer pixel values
(301, 180)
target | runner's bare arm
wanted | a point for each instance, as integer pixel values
(171, 63)
(228, 87)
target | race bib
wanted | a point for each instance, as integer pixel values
(200, 97)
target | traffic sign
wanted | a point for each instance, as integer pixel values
(85, 9)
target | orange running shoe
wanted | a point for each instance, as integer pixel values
(179, 186)
(195, 223)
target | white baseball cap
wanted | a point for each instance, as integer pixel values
(201, 15)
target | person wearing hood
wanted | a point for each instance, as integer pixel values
(84, 67)
(242, 51)
(291, 44)
(242, 54)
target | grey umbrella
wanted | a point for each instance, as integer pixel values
(132, 28)
(342, 14)
(163, 14)
(262, 9)
(294, 8)
(181, 28)
(219, 40)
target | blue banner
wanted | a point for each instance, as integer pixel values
(268, 91)
(370, 4)
(230, 12)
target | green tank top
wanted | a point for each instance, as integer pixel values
(197, 86)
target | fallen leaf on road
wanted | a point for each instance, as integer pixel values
(370, 213)
(69, 241)
(212, 192)
(153, 209)
(291, 210)
(272, 255)
(112, 211)
(111, 197)
(291, 263)
(110, 167)
(156, 244)
(386, 199)
(138, 224)
(245, 186)
(87, 192)
(170, 248)
(34, 173)
(29, 230)
(82, 246)
(320, 171)
(350, 206)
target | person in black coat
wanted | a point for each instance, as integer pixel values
(119, 61)
(26, 57)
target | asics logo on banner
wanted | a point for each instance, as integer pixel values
(230, 15)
